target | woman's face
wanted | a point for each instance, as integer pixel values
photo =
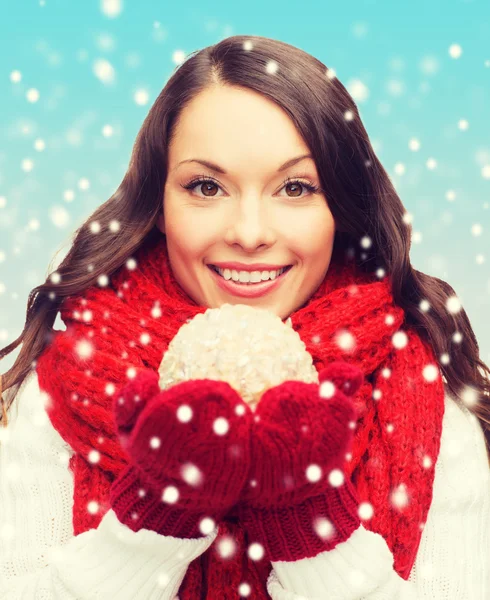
(246, 214)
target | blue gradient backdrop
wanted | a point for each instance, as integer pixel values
(78, 78)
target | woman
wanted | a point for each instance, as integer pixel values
(253, 153)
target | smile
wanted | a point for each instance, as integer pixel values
(249, 290)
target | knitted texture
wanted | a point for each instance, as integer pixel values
(181, 454)
(300, 438)
(129, 324)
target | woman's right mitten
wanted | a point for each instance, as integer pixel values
(189, 450)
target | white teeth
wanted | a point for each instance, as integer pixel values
(243, 276)
(249, 276)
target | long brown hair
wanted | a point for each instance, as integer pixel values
(361, 197)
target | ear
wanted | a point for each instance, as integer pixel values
(160, 223)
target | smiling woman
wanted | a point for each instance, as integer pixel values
(246, 165)
(250, 213)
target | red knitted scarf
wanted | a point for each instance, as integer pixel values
(130, 323)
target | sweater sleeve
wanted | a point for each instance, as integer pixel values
(453, 559)
(40, 558)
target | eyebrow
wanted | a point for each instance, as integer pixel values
(218, 169)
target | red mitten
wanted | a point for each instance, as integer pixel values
(300, 436)
(189, 450)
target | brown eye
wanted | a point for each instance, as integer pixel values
(297, 188)
(206, 186)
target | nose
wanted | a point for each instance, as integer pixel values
(250, 225)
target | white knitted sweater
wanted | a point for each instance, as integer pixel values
(41, 559)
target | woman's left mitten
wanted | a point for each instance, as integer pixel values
(298, 502)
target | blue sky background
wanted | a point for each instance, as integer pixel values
(78, 78)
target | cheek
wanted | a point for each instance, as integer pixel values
(190, 240)
(188, 225)
(312, 236)
(320, 240)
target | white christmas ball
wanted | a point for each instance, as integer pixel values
(250, 348)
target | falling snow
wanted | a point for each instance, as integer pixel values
(56, 169)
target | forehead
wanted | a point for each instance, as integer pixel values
(233, 126)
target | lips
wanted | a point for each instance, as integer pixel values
(215, 269)
(253, 290)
